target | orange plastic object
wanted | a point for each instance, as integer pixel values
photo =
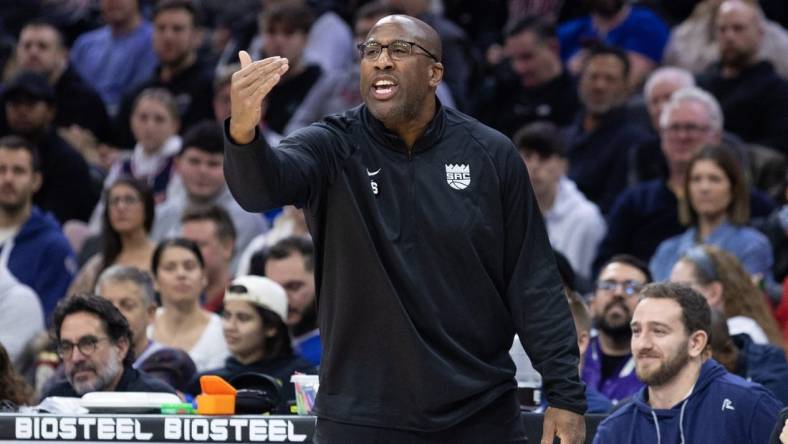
(217, 398)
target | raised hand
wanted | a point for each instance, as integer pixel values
(248, 88)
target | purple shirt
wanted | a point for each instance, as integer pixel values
(624, 382)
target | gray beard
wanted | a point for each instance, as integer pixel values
(103, 379)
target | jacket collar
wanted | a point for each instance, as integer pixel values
(385, 137)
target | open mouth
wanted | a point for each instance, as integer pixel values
(383, 89)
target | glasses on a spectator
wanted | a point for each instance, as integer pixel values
(398, 50)
(128, 199)
(687, 128)
(86, 345)
(630, 288)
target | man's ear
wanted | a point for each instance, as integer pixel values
(698, 341)
(436, 74)
(37, 180)
(123, 347)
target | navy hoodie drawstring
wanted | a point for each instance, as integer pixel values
(681, 419)
(681, 423)
(656, 425)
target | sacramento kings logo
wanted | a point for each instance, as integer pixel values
(458, 176)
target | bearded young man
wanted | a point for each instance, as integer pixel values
(608, 366)
(688, 397)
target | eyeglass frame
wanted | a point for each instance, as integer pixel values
(362, 46)
(127, 200)
(630, 287)
(66, 348)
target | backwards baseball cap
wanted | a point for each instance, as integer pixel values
(260, 291)
(30, 84)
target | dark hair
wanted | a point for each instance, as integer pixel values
(695, 311)
(541, 137)
(44, 23)
(114, 322)
(206, 135)
(190, 6)
(739, 208)
(375, 9)
(294, 244)
(293, 16)
(598, 49)
(13, 142)
(630, 260)
(723, 349)
(278, 345)
(225, 229)
(13, 387)
(111, 242)
(174, 242)
(541, 28)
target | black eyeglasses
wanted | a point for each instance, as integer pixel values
(630, 287)
(86, 345)
(398, 50)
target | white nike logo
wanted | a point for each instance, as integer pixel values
(371, 173)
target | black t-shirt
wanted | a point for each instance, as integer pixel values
(612, 365)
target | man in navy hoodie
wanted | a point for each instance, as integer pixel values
(688, 398)
(42, 257)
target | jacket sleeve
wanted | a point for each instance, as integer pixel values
(261, 177)
(535, 293)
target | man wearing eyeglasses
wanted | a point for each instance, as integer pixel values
(608, 366)
(430, 253)
(93, 340)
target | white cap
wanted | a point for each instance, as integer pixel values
(260, 291)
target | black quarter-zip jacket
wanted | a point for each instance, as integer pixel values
(428, 261)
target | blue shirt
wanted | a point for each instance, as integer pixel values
(722, 409)
(748, 244)
(641, 32)
(112, 64)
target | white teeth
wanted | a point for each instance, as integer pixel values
(382, 83)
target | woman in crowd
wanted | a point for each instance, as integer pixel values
(253, 320)
(716, 207)
(13, 388)
(126, 223)
(720, 277)
(155, 124)
(179, 271)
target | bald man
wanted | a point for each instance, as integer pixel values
(754, 98)
(430, 253)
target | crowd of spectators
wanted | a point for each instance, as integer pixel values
(655, 133)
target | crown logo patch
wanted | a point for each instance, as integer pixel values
(458, 176)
